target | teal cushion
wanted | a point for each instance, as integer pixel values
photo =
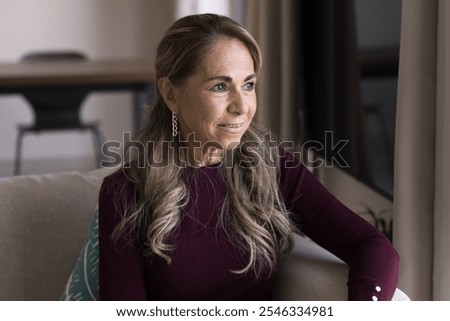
(83, 282)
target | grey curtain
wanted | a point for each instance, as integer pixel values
(274, 25)
(422, 152)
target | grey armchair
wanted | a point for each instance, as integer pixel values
(44, 221)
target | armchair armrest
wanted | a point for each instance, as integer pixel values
(311, 273)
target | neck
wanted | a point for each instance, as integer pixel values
(205, 156)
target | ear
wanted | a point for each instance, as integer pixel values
(167, 90)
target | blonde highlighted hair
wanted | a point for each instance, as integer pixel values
(253, 212)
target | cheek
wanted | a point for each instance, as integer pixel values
(205, 113)
(199, 115)
(252, 103)
(209, 109)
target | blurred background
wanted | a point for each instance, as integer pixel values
(102, 29)
(307, 47)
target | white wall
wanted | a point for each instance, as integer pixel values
(101, 29)
(231, 8)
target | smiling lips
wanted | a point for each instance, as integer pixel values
(232, 128)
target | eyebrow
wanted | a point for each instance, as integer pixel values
(229, 79)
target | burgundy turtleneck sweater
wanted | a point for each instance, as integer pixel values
(204, 257)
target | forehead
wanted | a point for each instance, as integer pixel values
(227, 56)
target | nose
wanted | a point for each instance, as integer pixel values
(237, 104)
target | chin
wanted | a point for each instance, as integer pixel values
(231, 145)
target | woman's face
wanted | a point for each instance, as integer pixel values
(218, 102)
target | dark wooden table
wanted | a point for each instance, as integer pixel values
(136, 76)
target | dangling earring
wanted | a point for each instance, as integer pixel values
(174, 125)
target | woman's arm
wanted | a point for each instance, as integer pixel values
(373, 262)
(121, 266)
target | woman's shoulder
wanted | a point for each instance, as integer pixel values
(117, 176)
(117, 184)
(289, 159)
(117, 196)
(293, 173)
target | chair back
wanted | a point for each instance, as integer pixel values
(56, 108)
(51, 56)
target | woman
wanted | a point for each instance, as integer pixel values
(206, 210)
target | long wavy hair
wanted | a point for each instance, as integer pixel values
(253, 213)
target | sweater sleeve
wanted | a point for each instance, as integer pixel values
(121, 263)
(373, 262)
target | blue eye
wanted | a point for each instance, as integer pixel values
(219, 88)
(249, 86)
